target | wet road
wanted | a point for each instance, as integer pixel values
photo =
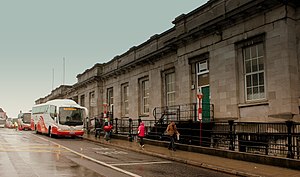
(25, 154)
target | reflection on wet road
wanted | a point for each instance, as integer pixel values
(25, 154)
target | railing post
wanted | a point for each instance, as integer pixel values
(154, 114)
(231, 146)
(195, 112)
(289, 125)
(116, 125)
(191, 132)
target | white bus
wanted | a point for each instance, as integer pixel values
(24, 121)
(2, 122)
(3, 118)
(60, 117)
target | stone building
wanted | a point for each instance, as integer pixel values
(242, 55)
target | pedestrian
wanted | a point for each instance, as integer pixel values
(141, 134)
(98, 127)
(172, 132)
(107, 129)
(87, 125)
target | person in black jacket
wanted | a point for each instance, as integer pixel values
(98, 127)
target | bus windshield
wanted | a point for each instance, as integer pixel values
(26, 118)
(70, 116)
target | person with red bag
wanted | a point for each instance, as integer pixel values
(107, 128)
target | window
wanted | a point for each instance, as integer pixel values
(92, 98)
(202, 72)
(52, 111)
(82, 100)
(125, 103)
(110, 99)
(40, 109)
(170, 89)
(254, 72)
(144, 95)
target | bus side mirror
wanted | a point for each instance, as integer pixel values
(55, 119)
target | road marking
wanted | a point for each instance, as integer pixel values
(91, 159)
(29, 148)
(102, 149)
(141, 163)
(108, 151)
(111, 152)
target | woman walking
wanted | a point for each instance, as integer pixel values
(141, 134)
(172, 132)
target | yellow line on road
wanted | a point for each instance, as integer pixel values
(34, 148)
(22, 150)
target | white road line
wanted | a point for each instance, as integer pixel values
(140, 163)
(111, 152)
(91, 159)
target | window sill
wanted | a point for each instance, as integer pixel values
(261, 103)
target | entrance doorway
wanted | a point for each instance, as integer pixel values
(202, 69)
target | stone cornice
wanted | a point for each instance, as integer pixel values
(93, 79)
(221, 21)
(145, 60)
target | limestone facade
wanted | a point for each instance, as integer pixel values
(246, 52)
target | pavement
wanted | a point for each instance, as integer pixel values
(226, 165)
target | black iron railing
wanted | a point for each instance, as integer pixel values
(277, 139)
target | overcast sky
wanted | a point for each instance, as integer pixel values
(36, 36)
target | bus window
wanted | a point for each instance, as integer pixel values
(70, 116)
(52, 111)
(26, 118)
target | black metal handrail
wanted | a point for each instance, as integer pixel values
(182, 112)
(278, 139)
